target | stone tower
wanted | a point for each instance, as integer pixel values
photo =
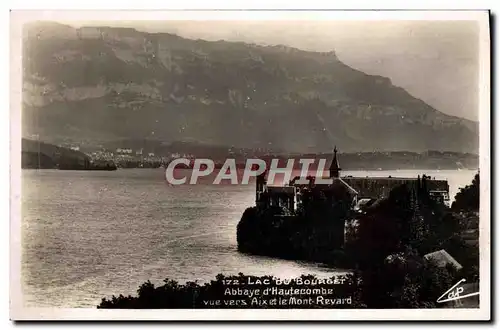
(334, 167)
(260, 186)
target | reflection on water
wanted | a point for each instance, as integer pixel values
(86, 235)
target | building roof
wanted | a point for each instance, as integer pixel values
(351, 189)
(442, 258)
(334, 183)
(363, 202)
(350, 177)
(281, 189)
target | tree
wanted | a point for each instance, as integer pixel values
(392, 238)
(467, 199)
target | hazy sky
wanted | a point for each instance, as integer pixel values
(436, 61)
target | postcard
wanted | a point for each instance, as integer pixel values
(250, 165)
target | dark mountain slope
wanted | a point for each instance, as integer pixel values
(37, 154)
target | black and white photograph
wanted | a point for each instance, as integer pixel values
(232, 165)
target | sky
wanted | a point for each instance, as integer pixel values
(436, 61)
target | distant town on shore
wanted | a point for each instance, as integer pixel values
(153, 154)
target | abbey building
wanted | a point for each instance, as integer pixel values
(354, 191)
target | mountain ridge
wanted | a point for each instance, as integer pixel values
(100, 83)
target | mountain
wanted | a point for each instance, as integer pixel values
(98, 84)
(37, 154)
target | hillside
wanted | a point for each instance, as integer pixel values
(36, 154)
(95, 85)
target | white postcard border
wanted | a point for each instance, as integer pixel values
(21, 313)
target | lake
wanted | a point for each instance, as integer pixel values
(87, 235)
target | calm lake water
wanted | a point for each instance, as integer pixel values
(87, 235)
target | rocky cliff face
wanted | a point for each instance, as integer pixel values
(98, 84)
